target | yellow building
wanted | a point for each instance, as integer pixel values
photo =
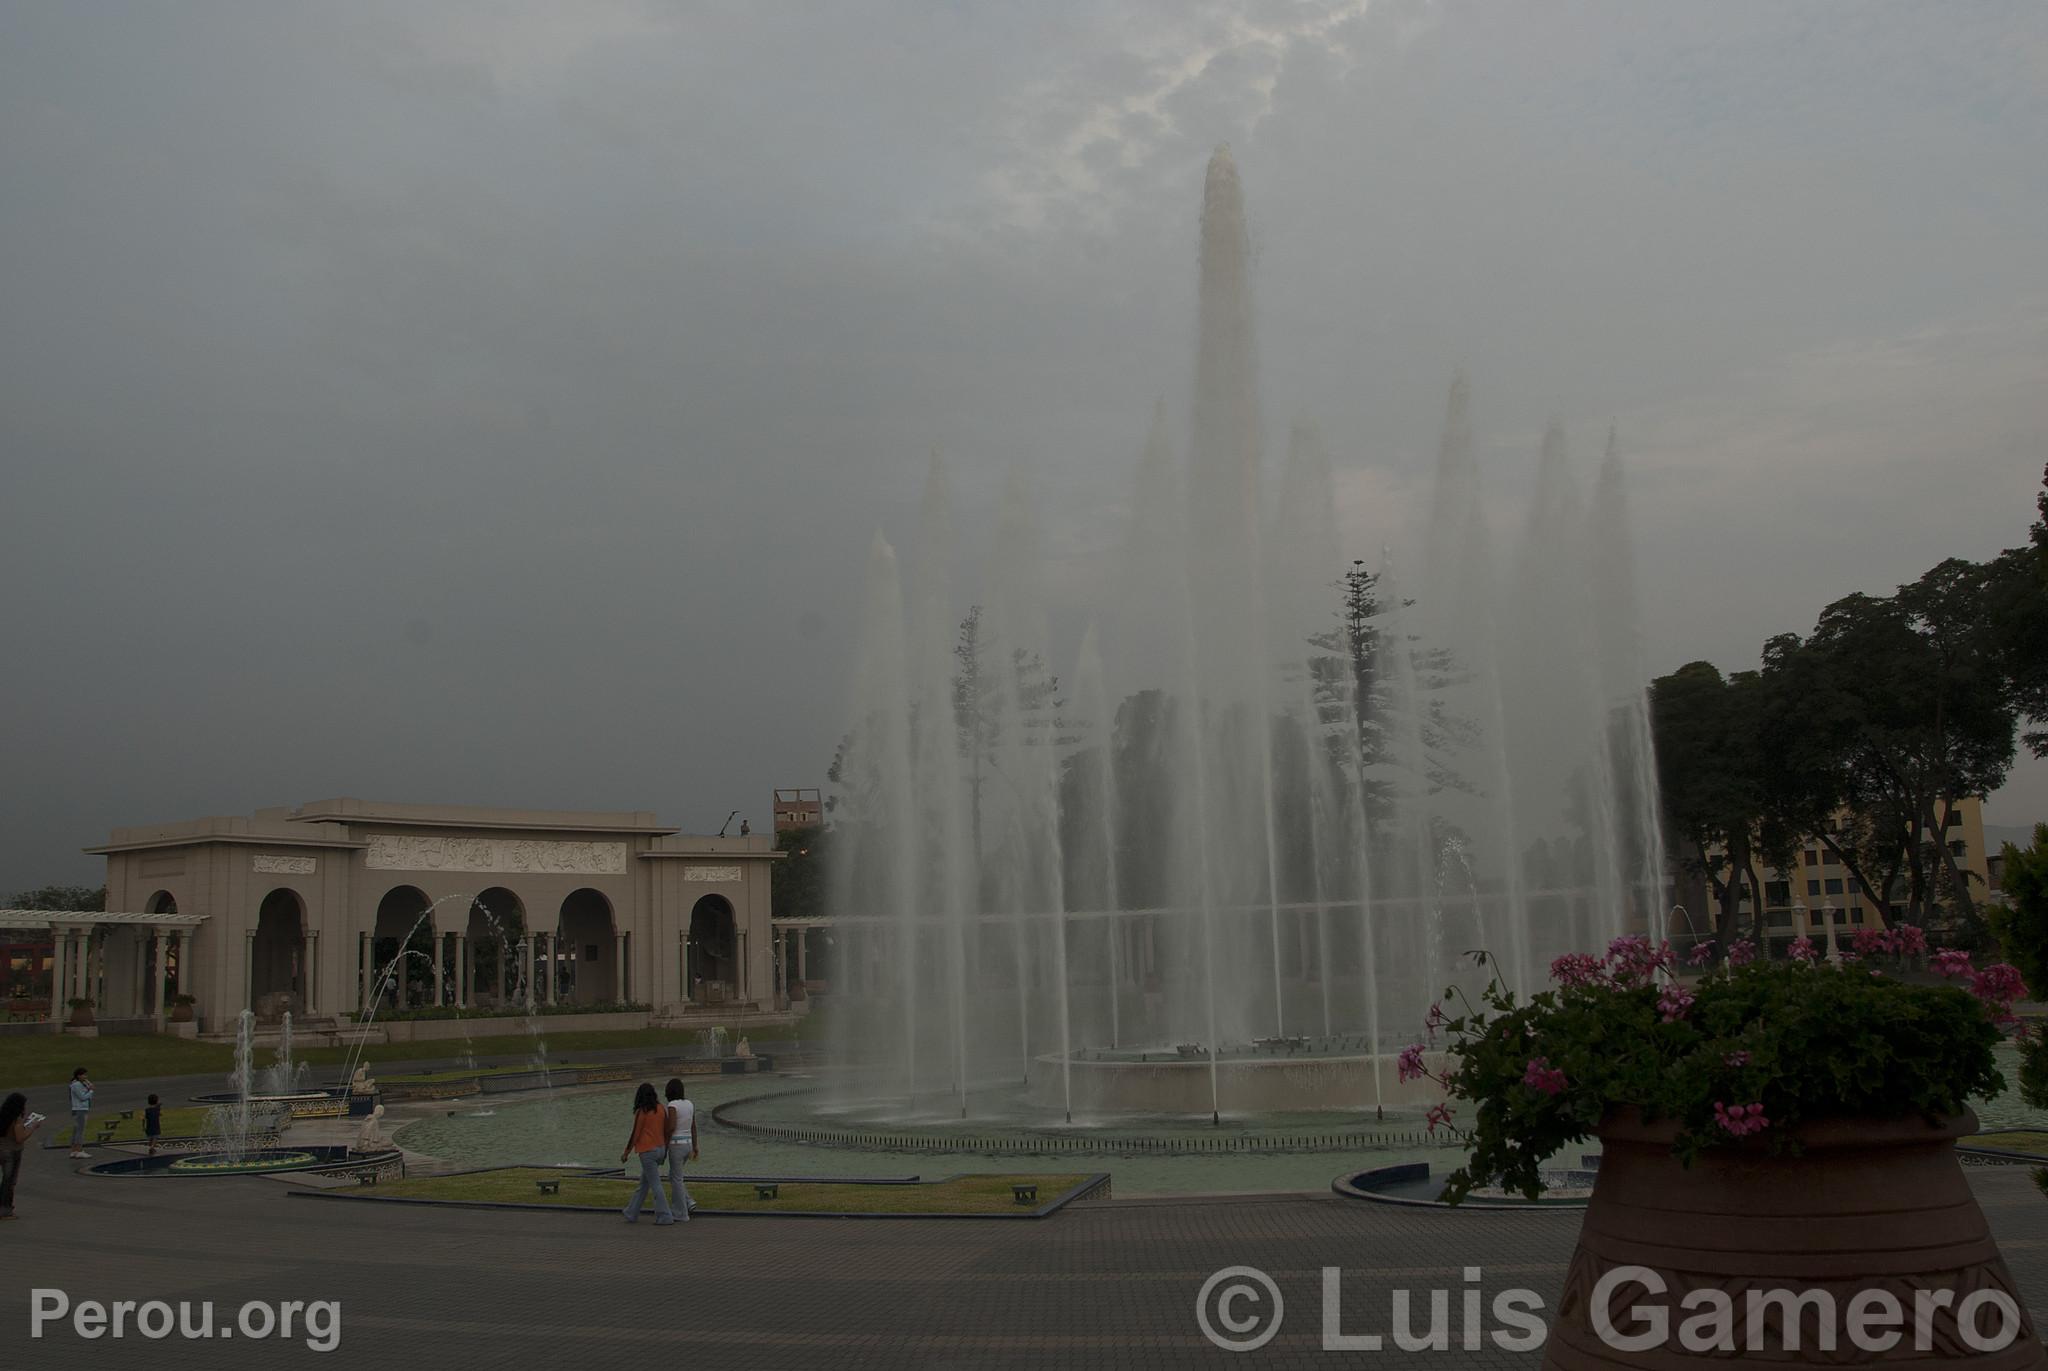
(1818, 885)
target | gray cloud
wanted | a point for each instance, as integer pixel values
(493, 403)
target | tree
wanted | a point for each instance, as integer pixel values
(796, 884)
(1710, 769)
(2018, 590)
(68, 898)
(2021, 926)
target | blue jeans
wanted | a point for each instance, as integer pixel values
(78, 1118)
(678, 1193)
(650, 1184)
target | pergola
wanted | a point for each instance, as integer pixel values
(112, 969)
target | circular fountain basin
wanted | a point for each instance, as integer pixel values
(1415, 1183)
(1298, 1075)
(256, 1162)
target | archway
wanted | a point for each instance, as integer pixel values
(400, 929)
(587, 955)
(278, 956)
(497, 926)
(162, 978)
(713, 962)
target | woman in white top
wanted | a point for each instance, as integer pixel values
(682, 1147)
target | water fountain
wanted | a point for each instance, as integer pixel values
(1227, 862)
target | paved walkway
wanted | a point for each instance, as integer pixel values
(1104, 1285)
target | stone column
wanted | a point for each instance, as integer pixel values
(619, 966)
(182, 945)
(462, 970)
(526, 970)
(60, 968)
(683, 966)
(439, 939)
(249, 968)
(551, 949)
(153, 969)
(746, 976)
(803, 939)
(312, 972)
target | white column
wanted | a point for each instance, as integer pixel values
(312, 972)
(526, 970)
(683, 965)
(550, 942)
(462, 970)
(619, 966)
(153, 972)
(249, 969)
(439, 939)
(60, 968)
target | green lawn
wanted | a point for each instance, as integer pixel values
(961, 1195)
(180, 1121)
(49, 1058)
(2009, 1142)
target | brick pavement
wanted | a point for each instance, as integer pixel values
(1104, 1285)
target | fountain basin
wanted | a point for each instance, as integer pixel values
(1415, 1183)
(256, 1162)
(1247, 1081)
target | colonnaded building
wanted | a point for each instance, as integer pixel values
(311, 910)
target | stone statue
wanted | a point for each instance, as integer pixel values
(743, 1050)
(360, 1083)
(368, 1138)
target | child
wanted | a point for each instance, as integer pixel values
(152, 1123)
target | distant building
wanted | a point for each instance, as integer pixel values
(796, 809)
(308, 909)
(1799, 900)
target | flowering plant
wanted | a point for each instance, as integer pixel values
(1744, 1053)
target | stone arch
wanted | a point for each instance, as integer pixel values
(588, 952)
(713, 965)
(401, 930)
(161, 968)
(277, 956)
(497, 926)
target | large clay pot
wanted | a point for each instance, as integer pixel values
(1868, 1205)
(81, 1016)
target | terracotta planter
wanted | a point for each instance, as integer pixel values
(181, 1013)
(81, 1017)
(1869, 1205)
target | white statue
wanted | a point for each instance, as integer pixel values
(360, 1083)
(368, 1138)
(743, 1050)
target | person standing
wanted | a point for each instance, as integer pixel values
(648, 1142)
(153, 1123)
(81, 1109)
(17, 1125)
(682, 1147)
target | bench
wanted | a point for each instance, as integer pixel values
(767, 1192)
(548, 1187)
(366, 1177)
(1024, 1194)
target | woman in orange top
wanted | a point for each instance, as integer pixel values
(649, 1142)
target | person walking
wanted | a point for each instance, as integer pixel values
(648, 1142)
(81, 1109)
(682, 1147)
(17, 1125)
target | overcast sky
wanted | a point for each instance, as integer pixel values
(493, 403)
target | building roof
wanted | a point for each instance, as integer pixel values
(44, 918)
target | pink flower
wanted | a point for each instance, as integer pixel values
(1438, 1114)
(1674, 1002)
(1740, 1120)
(1737, 1058)
(1578, 968)
(1434, 1020)
(1871, 942)
(1908, 941)
(1409, 1066)
(1741, 952)
(1952, 962)
(1801, 949)
(1998, 986)
(1701, 954)
(1634, 959)
(1541, 1075)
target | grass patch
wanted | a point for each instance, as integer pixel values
(960, 1195)
(2009, 1142)
(50, 1058)
(180, 1121)
(521, 1045)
